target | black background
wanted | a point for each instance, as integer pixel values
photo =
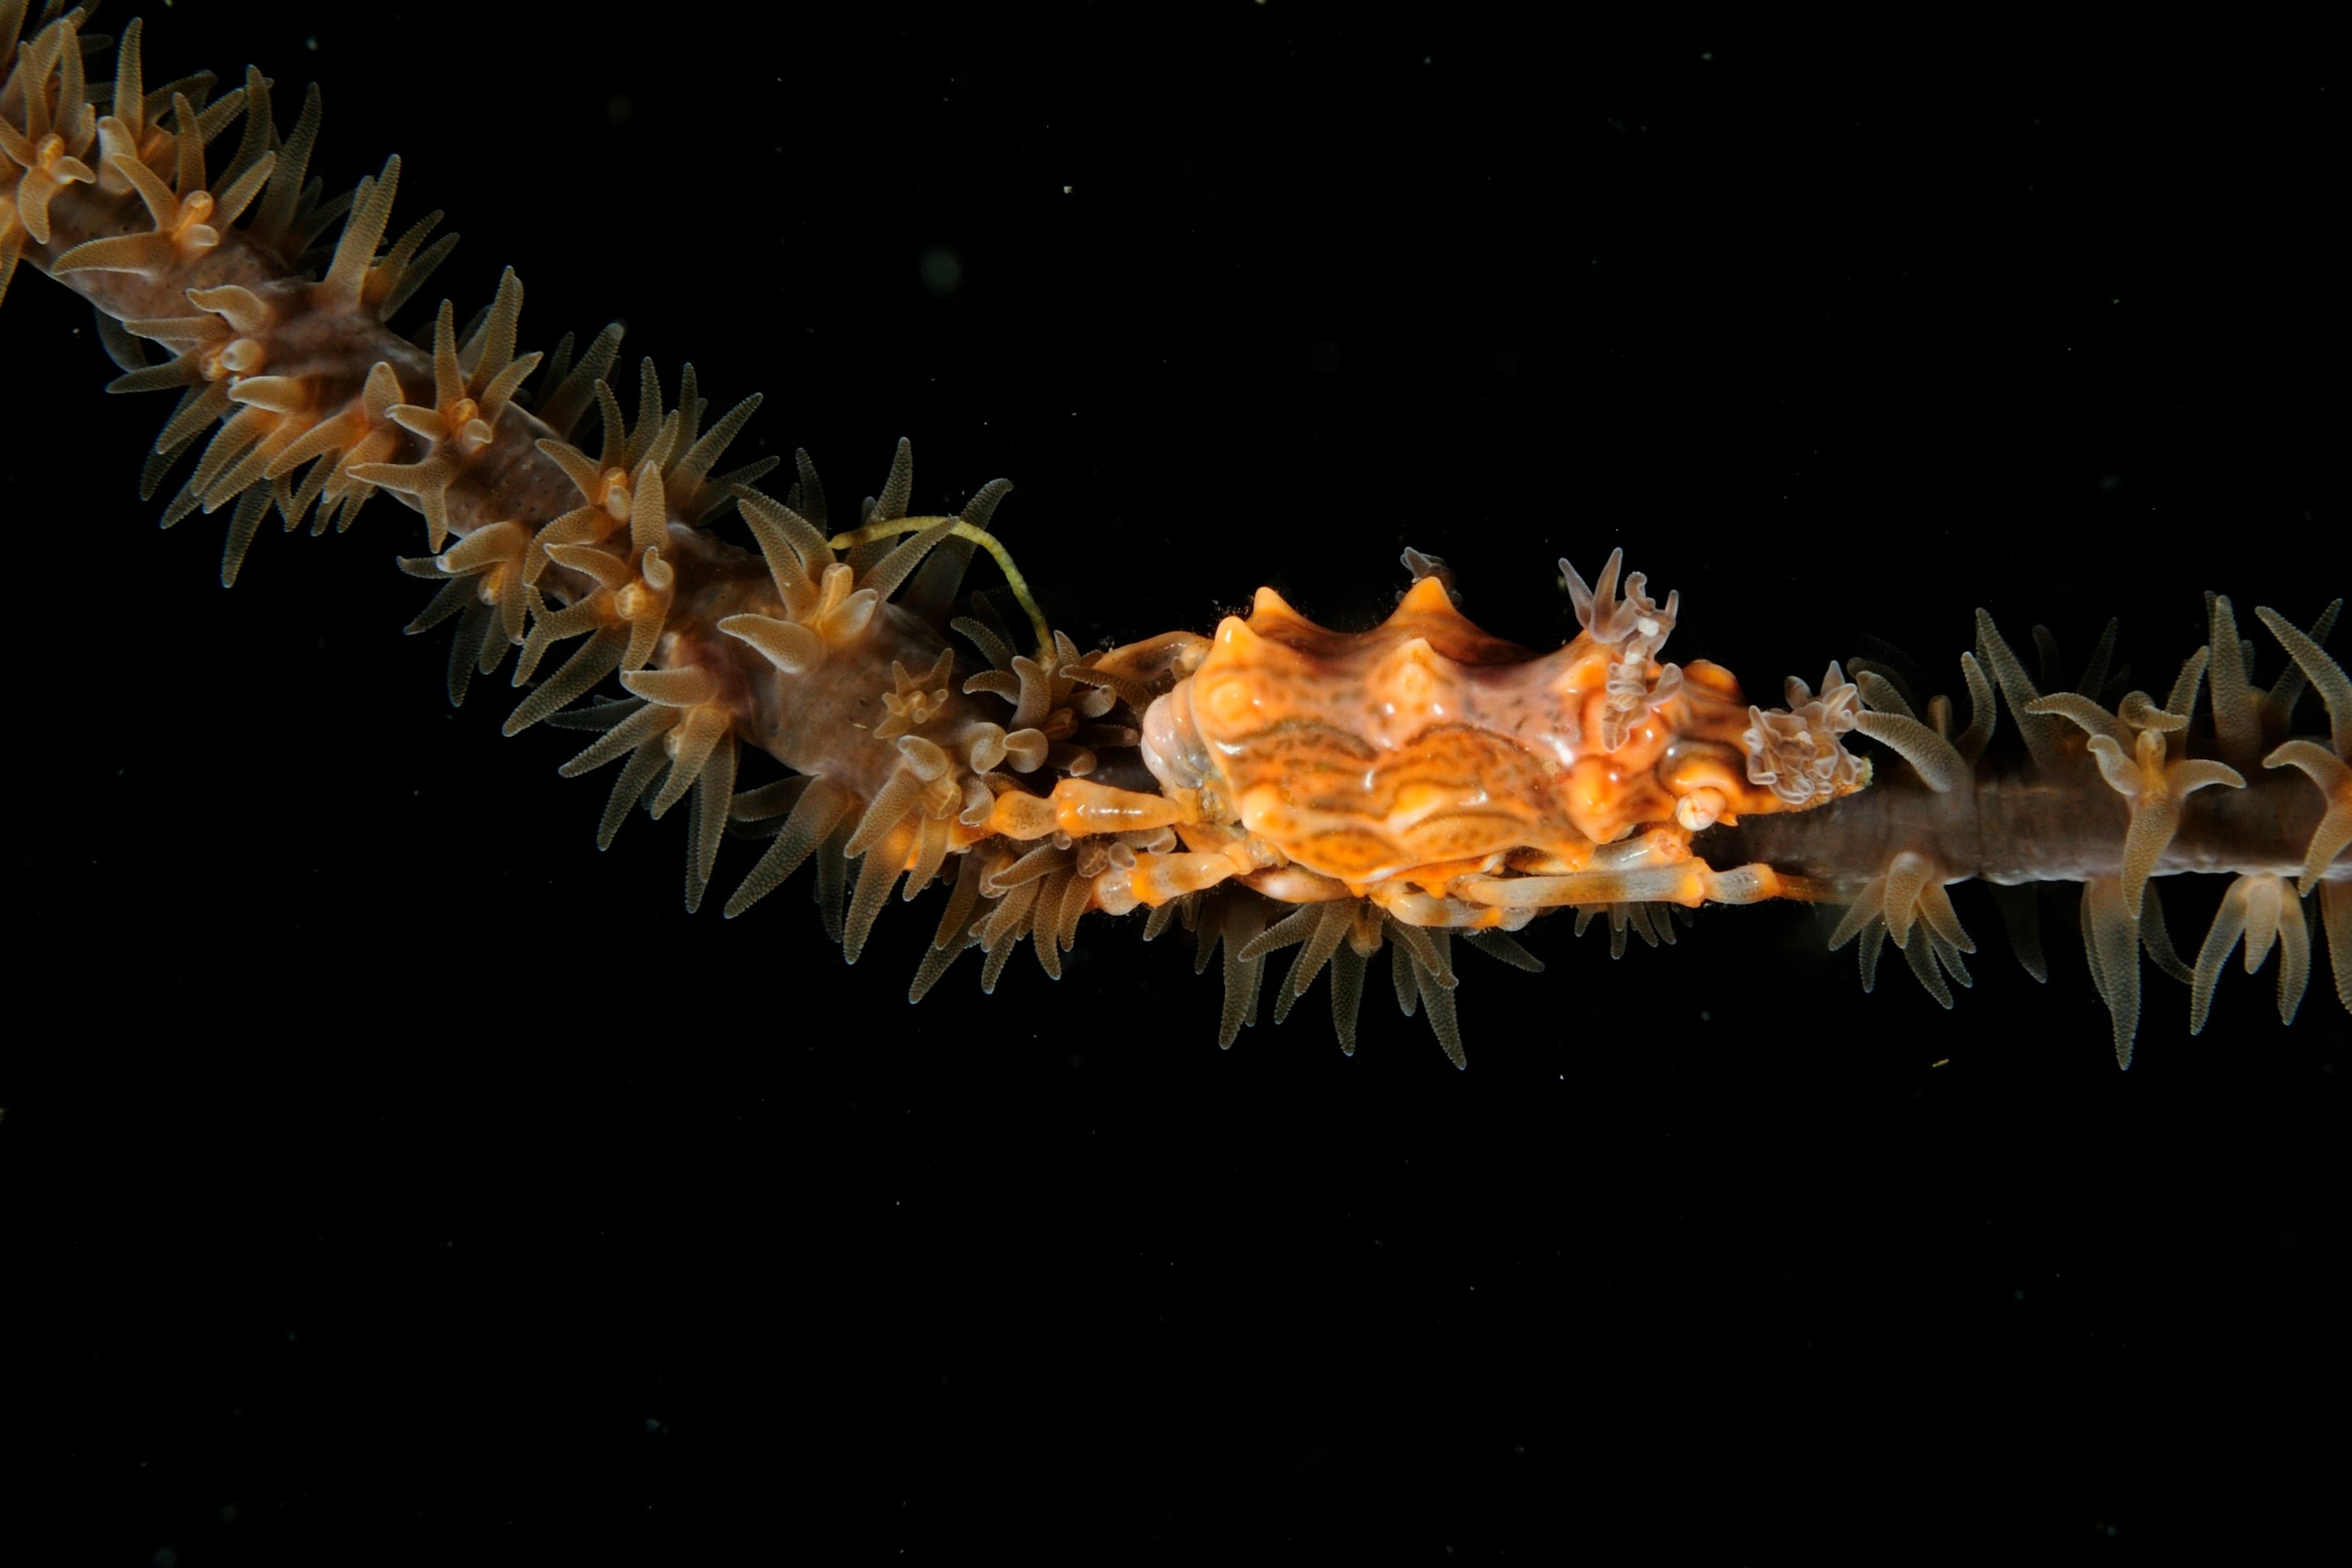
(386, 1172)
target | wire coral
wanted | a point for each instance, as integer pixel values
(1274, 783)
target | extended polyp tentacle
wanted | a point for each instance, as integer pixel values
(813, 815)
(51, 158)
(957, 922)
(2111, 943)
(1232, 921)
(2155, 936)
(2020, 916)
(2334, 782)
(462, 420)
(482, 577)
(2278, 705)
(1907, 901)
(359, 436)
(2042, 735)
(2261, 908)
(1650, 922)
(2151, 778)
(1886, 690)
(1431, 984)
(2328, 772)
(1317, 930)
(1936, 760)
(2237, 707)
(2323, 672)
(2335, 911)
